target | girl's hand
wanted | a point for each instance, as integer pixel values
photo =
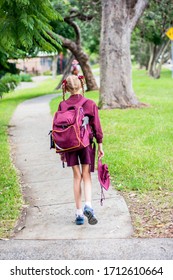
(100, 151)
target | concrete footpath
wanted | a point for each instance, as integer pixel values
(47, 229)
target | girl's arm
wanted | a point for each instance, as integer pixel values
(100, 151)
(95, 124)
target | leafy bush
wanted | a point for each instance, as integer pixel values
(47, 73)
(8, 82)
(25, 78)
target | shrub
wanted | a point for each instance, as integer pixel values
(25, 78)
(8, 83)
(47, 73)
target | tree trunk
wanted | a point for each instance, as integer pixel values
(86, 69)
(152, 59)
(118, 21)
(157, 59)
(54, 66)
(83, 60)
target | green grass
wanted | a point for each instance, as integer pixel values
(138, 142)
(10, 193)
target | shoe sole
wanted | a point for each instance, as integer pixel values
(91, 219)
(79, 223)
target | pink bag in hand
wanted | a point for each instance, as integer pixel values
(104, 178)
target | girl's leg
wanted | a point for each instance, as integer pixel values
(86, 176)
(88, 210)
(77, 178)
(78, 194)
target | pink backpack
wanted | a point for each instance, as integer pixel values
(70, 131)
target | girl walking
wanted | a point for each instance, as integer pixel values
(75, 68)
(81, 161)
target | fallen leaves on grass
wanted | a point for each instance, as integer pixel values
(151, 213)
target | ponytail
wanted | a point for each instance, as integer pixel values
(81, 79)
(64, 88)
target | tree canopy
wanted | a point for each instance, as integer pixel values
(25, 27)
(87, 15)
(150, 35)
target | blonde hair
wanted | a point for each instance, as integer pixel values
(73, 84)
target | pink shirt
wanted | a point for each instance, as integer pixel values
(91, 110)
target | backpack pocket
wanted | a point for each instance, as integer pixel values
(65, 139)
(64, 118)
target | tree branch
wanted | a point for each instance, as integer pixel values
(80, 16)
(137, 11)
(69, 44)
(163, 49)
(75, 27)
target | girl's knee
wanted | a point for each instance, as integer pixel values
(76, 173)
(86, 172)
(77, 177)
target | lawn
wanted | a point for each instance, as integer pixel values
(10, 192)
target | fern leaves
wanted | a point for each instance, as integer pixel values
(24, 25)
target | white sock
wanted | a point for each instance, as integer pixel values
(88, 203)
(79, 212)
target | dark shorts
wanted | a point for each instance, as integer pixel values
(78, 157)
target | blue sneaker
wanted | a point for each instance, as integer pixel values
(89, 213)
(79, 220)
